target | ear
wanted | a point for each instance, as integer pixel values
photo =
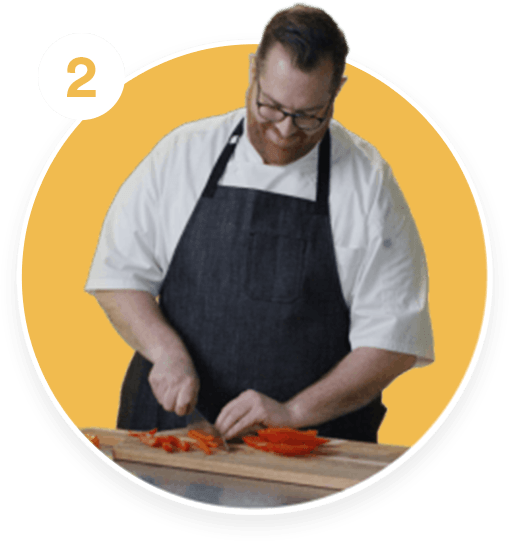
(252, 68)
(344, 79)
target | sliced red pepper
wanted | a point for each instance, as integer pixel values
(175, 443)
(183, 445)
(211, 443)
(290, 450)
(142, 433)
(291, 436)
(168, 443)
(147, 440)
(168, 439)
(156, 442)
(204, 441)
(291, 439)
(256, 442)
(168, 447)
(285, 441)
(200, 434)
(200, 444)
(278, 448)
(93, 439)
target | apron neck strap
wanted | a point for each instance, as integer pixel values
(220, 166)
(323, 183)
(322, 191)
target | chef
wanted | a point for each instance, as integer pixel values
(264, 264)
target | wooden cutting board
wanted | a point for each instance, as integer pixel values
(337, 465)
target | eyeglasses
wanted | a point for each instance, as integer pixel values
(274, 113)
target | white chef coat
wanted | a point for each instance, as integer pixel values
(379, 254)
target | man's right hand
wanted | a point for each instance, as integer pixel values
(175, 384)
(138, 319)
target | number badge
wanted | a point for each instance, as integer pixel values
(81, 76)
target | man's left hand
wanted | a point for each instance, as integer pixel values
(249, 409)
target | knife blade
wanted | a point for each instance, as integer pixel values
(196, 421)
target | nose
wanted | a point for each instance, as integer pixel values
(286, 127)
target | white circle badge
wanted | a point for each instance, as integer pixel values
(81, 76)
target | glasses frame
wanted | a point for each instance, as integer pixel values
(294, 116)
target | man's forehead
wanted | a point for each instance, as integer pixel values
(280, 64)
(282, 57)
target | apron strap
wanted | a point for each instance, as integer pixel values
(220, 166)
(323, 182)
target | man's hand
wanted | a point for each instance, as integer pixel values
(351, 384)
(248, 410)
(175, 385)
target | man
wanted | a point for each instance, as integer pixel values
(264, 265)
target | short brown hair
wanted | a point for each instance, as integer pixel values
(309, 35)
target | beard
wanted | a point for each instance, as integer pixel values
(272, 147)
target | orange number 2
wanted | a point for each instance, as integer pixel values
(74, 90)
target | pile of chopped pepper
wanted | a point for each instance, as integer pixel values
(285, 441)
(202, 441)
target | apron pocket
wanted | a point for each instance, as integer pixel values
(274, 268)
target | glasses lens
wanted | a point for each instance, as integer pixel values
(270, 113)
(307, 122)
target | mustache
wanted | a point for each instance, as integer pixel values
(295, 137)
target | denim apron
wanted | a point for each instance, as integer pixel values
(253, 291)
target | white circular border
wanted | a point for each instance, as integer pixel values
(321, 501)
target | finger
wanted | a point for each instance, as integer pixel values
(193, 404)
(190, 407)
(242, 417)
(159, 388)
(242, 425)
(236, 409)
(183, 401)
(249, 431)
(168, 400)
(232, 406)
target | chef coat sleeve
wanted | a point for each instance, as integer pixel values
(390, 294)
(127, 252)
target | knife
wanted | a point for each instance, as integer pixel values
(196, 421)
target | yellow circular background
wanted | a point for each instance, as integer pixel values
(82, 357)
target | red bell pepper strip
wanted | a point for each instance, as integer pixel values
(200, 434)
(93, 439)
(168, 447)
(200, 444)
(142, 433)
(291, 436)
(290, 450)
(170, 443)
(285, 441)
(256, 442)
(183, 445)
(204, 441)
